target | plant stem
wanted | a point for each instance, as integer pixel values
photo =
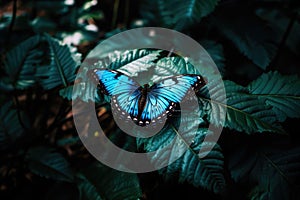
(115, 14)
(126, 17)
(19, 113)
(11, 25)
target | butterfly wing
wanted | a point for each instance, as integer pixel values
(177, 87)
(163, 96)
(124, 90)
(160, 101)
(112, 82)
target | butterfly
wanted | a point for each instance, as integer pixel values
(144, 104)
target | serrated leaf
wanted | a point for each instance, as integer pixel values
(215, 50)
(275, 172)
(206, 172)
(117, 59)
(254, 39)
(11, 129)
(21, 62)
(201, 164)
(279, 22)
(62, 67)
(194, 160)
(128, 62)
(244, 112)
(170, 66)
(280, 92)
(178, 14)
(47, 163)
(141, 68)
(248, 113)
(113, 184)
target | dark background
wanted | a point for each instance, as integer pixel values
(245, 38)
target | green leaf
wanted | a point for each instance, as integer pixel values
(62, 67)
(47, 163)
(279, 91)
(21, 62)
(43, 24)
(87, 190)
(279, 22)
(206, 172)
(195, 161)
(275, 172)
(54, 7)
(178, 14)
(215, 50)
(244, 112)
(68, 141)
(248, 113)
(201, 168)
(11, 129)
(112, 184)
(168, 66)
(254, 39)
(128, 62)
(258, 193)
(140, 66)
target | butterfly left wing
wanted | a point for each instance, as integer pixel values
(124, 91)
(112, 82)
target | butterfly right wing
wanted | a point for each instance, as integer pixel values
(165, 95)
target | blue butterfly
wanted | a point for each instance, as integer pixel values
(144, 104)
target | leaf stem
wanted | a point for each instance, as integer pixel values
(12, 23)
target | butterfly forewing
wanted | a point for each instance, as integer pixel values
(113, 82)
(175, 88)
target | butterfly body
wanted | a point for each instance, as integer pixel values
(145, 104)
(142, 100)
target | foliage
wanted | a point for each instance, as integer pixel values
(255, 46)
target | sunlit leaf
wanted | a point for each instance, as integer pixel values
(128, 62)
(62, 67)
(22, 61)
